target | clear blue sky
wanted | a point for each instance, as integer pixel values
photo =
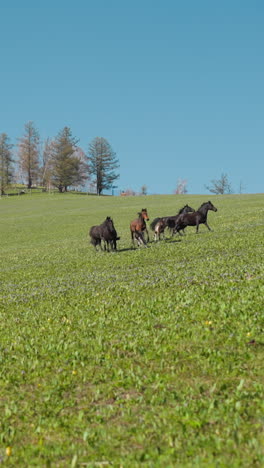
(177, 87)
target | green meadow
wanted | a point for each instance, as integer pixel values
(149, 357)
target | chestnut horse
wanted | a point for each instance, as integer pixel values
(138, 226)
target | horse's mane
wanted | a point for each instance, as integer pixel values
(186, 209)
(203, 204)
(181, 210)
(107, 222)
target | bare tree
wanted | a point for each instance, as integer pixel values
(220, 186)
(144, 189)
(242, 187)
(102, 164)
(6, 160)
(46, 162)
(181, 187)
(28, 153)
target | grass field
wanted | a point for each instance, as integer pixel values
(147, 357)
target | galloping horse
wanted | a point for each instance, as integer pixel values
(138, 226)
(172, 220)
(196, 218)
(104, 232)
(159, 228)
(159, 225)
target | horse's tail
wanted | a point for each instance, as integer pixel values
(153, 223)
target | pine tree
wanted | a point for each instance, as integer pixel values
(102, 164)
(28, 153)
(68, 165)
(6, 160)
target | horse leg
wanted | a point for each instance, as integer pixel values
(95, 242)
(143, 240)
(140, 238)
(207, 226)
(113, 244)
(162, 232)
(132, 237)
(98, 242)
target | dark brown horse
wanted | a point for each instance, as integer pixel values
(196, 218)
(159, 225)
(104, 232)
(138, 227)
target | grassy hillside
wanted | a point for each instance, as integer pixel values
(143, 357)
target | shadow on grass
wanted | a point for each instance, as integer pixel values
(150, 243)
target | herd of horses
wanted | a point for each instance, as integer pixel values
(106, 233)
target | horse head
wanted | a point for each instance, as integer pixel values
(189, 209)
(110, 223)
(211, 206)
(144, 214)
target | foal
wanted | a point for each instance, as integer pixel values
(138, 226)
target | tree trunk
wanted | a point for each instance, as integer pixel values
(29, 182)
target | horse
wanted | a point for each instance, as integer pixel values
(159, 228)
(138, 226)
(159, 225)
(196, 218)
(104, 232)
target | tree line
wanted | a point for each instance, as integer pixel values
(58, 162)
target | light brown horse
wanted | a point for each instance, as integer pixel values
(138, 227)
